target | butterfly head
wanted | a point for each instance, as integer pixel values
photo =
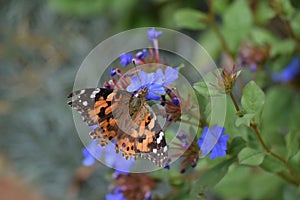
(142, 93)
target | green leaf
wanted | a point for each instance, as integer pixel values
(295, 162)
(236, 145)
(262, 36)
(202, 88)
(242, 182)
(210, 178)
(244, 120)
(210, 44)
(283, 47)
(264, 12)
(277, 110)
(284, 7)
(295, 24)
(79, 7)
(190, 19)
(221, 6)
(237, 23)
(205, 87)
(251, 157)
(253, 98)
(292, 143)
(272, 164)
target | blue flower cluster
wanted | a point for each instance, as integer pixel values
(153, 34)
(115, 196)
(289, 73)
(155, 82)
(213, 141)
(94, 152)
(127, 58)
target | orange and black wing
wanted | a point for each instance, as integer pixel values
(108, 110)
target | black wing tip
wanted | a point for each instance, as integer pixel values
(70, 95)
(70, 103)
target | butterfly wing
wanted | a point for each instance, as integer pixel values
(110, 111)
(145, 138)
(95, 106)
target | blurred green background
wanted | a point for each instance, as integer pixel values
(42, 46)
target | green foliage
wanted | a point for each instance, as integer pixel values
(236, 145)
(278, 99)
(244, 120)
(264, 13)
(251, 157)
(272, 164)
(253, 98)
(210, 178)
(243, 182)
(295, 23)
(190, 19)
(252, 101)
(292, 143)
(283, 47)
(237, 23)
(44, 42)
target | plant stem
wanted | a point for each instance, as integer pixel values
(234, 102)
(295, 181)
(291, 171)
(212, 21)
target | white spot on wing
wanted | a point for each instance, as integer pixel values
(81, 92)
(165, 148)
(85, 103)
(93, 95)
(161, 135)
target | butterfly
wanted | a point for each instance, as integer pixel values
(124, 119)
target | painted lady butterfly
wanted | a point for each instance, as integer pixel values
(125, 119)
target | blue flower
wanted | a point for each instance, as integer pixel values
(94, 152)
(213, 141)
(91, 153)
(114, 71)
(126, 58)
(141, 54)
(155, 82)
(169, 76)
(175, 101)
(289, 73)
(116, 196)
(116, 160)
(153, 34)
(151, 81)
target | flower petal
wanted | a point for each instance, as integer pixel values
(153, 34)
(152, 96)
(288, 73)
(117, 196)
(134, 85)
(125, 59)
(170, 75)
(88, 160)
(217, 151)
(157, 89)
(159, 76)
(213, 141)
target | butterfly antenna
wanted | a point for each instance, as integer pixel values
(136, 69)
